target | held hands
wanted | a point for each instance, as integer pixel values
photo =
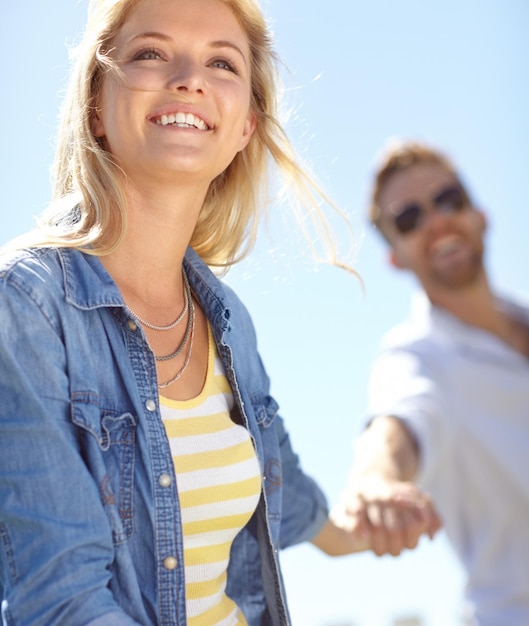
(391, 515)
(381, 509)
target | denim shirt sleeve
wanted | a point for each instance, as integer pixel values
(55, 542)
(304, 506)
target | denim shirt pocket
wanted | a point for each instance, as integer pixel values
(109, 450)
(266, 409)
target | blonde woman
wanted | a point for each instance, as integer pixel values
(145, 475)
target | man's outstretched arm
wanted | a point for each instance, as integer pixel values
(387, 508)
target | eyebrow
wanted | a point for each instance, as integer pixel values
(221, 43)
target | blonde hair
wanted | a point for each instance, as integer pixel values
(397, 156)
(89, 210)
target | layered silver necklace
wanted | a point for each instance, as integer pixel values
(188, 335)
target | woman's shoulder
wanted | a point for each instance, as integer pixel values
(31, 283)
(29, 263)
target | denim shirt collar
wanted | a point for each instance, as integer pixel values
(88, 285)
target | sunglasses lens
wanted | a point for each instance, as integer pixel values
(408, 218)
(450, 200)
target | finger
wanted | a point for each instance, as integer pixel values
(435, 525)
(386, 530)
(377, 531)
(374, 513)
(395, 522)
(355, 510)
(379, 541)
(428, 516)
(413, 530)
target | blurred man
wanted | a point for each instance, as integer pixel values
(448, 436)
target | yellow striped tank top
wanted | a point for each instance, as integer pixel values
(219, 484)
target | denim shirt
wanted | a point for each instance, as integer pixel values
(90, 527)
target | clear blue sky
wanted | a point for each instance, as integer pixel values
(454, 73)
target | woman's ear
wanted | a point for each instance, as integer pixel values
(96, 123)
(249, 128)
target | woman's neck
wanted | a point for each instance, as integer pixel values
(147, 265)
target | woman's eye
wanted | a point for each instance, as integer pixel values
(147, 55)
(225, 65)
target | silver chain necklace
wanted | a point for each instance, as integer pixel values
(189, 333)
(187, 299)
(188, 355)
(188, 336)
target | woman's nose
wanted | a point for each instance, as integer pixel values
(186, 75)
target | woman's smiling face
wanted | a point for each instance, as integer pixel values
(182, 103)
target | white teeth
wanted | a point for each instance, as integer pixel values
(446, 245)
(183, 120)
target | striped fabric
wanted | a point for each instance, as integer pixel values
(219, 484)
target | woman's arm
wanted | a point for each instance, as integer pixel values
(56, 545)
(341, 535)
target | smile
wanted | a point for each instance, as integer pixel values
(182, 120)
(447, 246)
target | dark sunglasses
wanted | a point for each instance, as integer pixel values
(451, 199)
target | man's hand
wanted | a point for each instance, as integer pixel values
(392, 515)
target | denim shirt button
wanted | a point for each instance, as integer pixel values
(170, 562)
(132, 325)
(150, 405)
(165, 480)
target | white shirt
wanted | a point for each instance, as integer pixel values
(465, 396)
